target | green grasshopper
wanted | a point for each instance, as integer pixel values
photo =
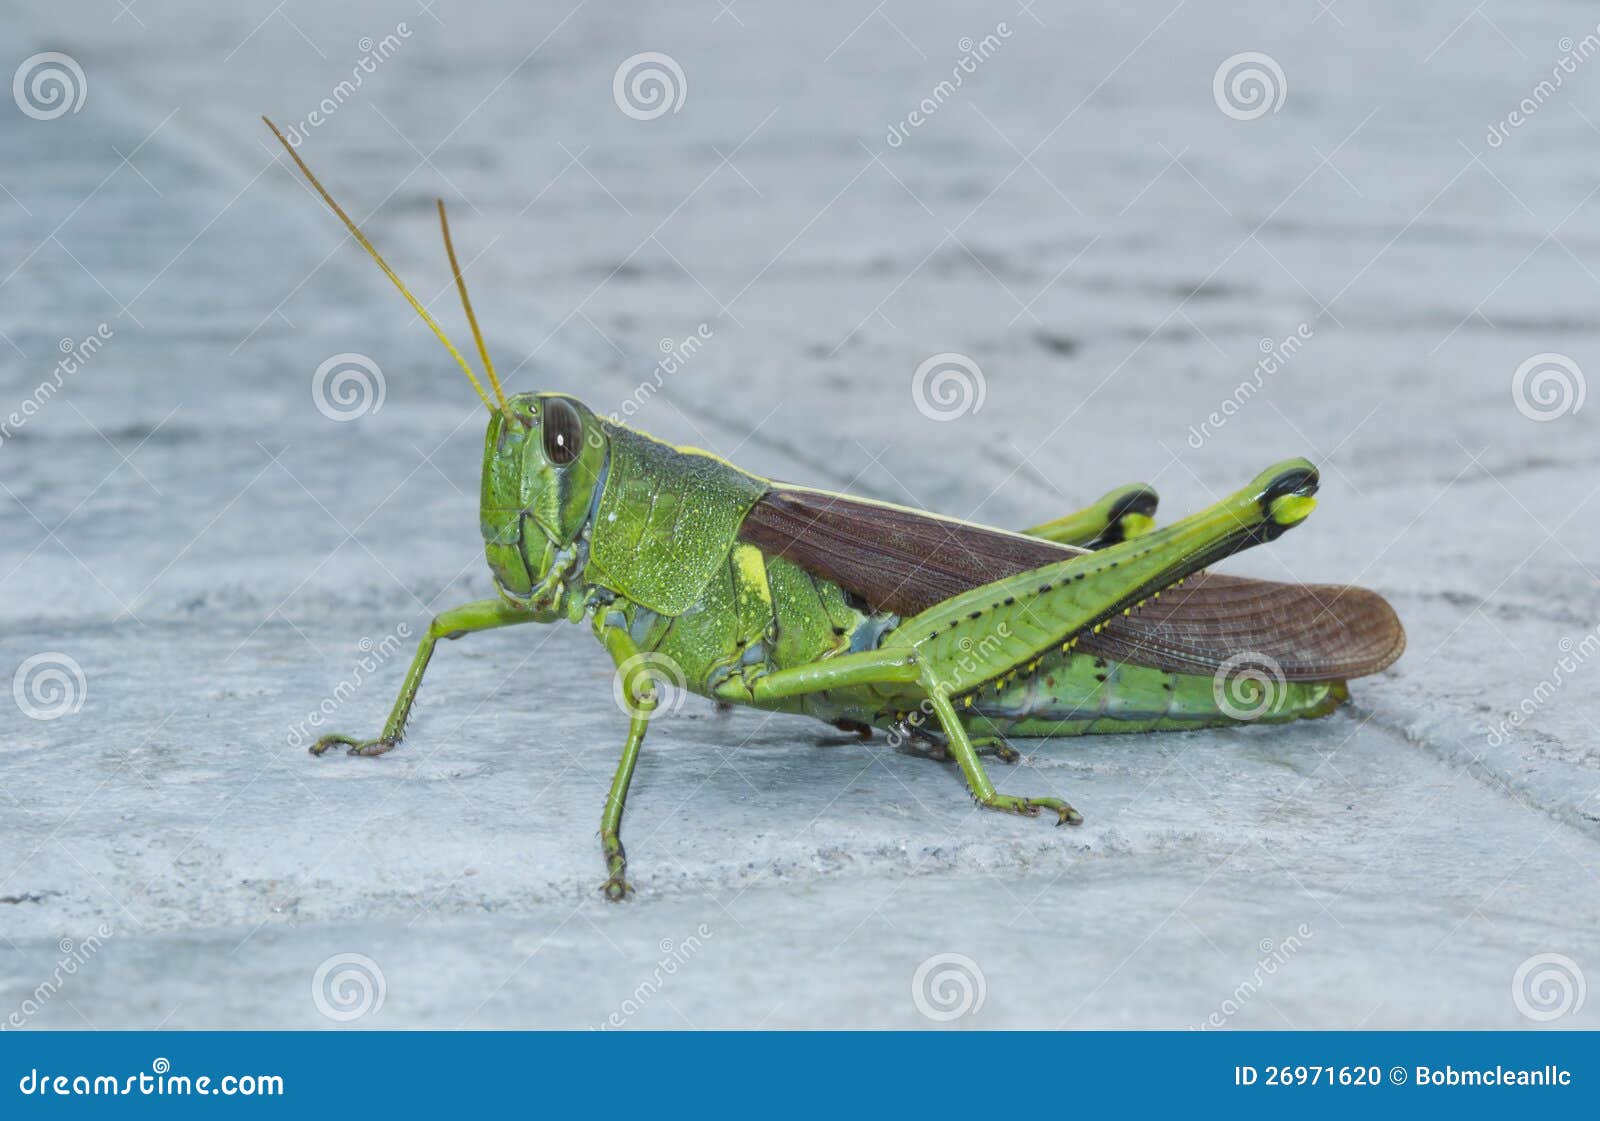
(874, 616)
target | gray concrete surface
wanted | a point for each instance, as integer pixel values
(1080, 217)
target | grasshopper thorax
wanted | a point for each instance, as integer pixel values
(544, 462)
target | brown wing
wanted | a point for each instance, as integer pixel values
(902, 560)
(895, 558)
(1315, 632)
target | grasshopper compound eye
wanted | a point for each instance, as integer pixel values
(563, 432)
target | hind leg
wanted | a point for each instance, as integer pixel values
(903, 672)
(978, 780)
(1123, 513)
(989, 635)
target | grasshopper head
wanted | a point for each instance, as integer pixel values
(543, 462)
(543, 458)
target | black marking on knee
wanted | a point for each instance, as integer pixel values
(1296, 480)
(1142, 502)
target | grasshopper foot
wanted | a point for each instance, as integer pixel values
(909, 737)
(355, 746)
(923, 747)
(1030, 807)
(616, 889)
(999, 748)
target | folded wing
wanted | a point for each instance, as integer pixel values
(901, 560)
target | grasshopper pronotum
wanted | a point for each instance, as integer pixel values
(869, 615)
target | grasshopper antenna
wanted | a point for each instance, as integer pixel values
(477, 335)
(361, 239)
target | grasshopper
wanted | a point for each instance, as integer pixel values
(869, 615)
